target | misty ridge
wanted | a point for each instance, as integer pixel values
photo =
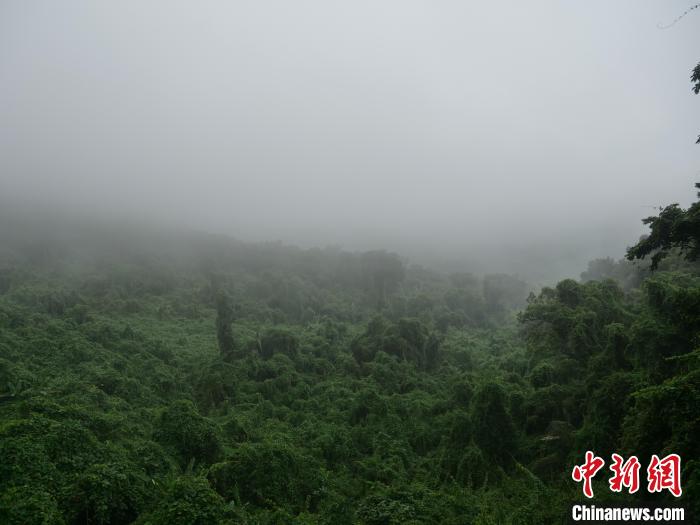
(349, 263)
(67, 246)
(522, 139)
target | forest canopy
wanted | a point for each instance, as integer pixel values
(419, 346)
(201, 380)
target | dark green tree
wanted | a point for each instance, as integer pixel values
(674, 227)
(695, 79)
(493, 431)
(224, 332)
(188, 500)
(278, 340)
(189, 435)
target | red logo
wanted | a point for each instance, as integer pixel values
(665, 474)
(586, 472)
(661, 474)
(626, 474)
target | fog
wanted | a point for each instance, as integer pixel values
(511, 136)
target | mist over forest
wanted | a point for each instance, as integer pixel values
(518, 136)
(370, 263)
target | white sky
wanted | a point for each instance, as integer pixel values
(447, 127)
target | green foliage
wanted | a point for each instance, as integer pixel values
(126, 398)
(270, 475)
(224, 332)
(674, 227)
(408, 340)
(109, 493)
(494, 431)
(28, 504)
(187, 500)
(188, 434)
(278, 340)
(629, 275)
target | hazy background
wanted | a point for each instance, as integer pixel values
(511, 136)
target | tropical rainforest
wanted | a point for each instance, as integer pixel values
(467, 313)
(195, 379)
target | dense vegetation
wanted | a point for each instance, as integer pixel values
(195, 380)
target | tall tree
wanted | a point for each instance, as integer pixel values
(695, 79)
(383, 272)
(224, 332)
(674, 227)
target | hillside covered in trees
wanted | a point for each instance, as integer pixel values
(156, 379)
(437, 337)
